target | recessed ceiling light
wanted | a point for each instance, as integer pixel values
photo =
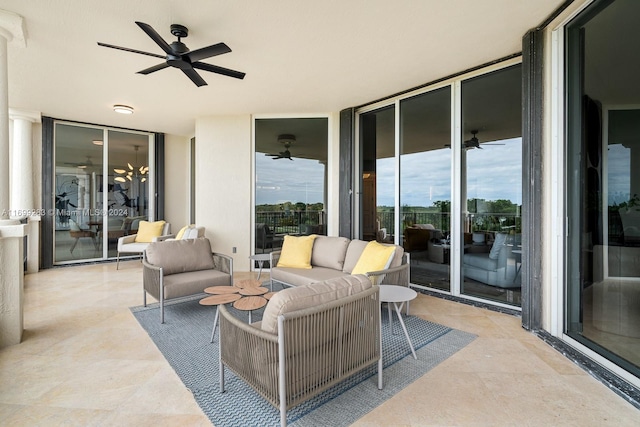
(123, 109)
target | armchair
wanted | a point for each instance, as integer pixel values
(188, 232)
(492, 268)
(266, 238)
(310, 338)
(132, 244)
(76, 232)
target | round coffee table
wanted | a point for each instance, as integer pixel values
(216, 300)
(252, 299)
(398, 296)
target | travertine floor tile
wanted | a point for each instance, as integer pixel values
(85, 361)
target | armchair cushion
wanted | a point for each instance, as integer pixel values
(296, 251)
(374, 257)
(148, 230)
(180, 256)
(301, 297)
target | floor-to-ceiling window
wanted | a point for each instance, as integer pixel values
(418, 188)
(603, 181)
(425, 186)
(101, 189)
(491, 190)
(290, 179)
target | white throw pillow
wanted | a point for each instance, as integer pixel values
(498, 243)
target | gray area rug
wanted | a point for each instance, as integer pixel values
(184, 340)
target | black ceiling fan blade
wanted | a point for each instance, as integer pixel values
(154, 68)
(194, 76)
(218, 70)
(126, 49)
(208, 52)
(155, 37)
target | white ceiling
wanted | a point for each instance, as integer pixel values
(299, 56)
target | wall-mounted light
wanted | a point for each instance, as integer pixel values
(97, 142)
(123, 109)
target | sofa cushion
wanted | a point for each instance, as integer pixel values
(304, 276)
(296, 251)
(179, 256)
(355, 250)
(193, 282)
(425, 226)
(374, 257)
(480, 261)
(353, 254)
(500, 240)
(329, 251)
(301, 297)
(148, 230)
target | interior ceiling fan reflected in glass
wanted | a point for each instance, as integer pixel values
(132, 172)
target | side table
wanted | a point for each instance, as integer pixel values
(260, 259)
(398, 296)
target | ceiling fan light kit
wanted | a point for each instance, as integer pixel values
(178, 55)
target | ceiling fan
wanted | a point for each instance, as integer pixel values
(286, 140)
(179, 56)
(473, 142)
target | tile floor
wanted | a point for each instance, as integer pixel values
(85, 361)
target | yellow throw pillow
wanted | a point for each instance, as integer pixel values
(148, 230)
(374, 257)
(296, 251)
(182, 230)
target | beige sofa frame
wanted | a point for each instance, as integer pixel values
(314, 349)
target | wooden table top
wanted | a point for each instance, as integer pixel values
(268, 295)
(250, 303)
(220, 299)
(221, 290)
(247, 283)
(254, 291)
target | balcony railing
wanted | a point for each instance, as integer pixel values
(293, 222)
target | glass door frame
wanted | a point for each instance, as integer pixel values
(105, 179)
(456, 165)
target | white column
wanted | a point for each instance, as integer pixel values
(11, 232)
(22, 179)
(4, 127)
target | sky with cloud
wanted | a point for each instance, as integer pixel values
(494, 172)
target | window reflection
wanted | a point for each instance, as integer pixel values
(290, 174)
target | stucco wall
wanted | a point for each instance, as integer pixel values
(223, 184)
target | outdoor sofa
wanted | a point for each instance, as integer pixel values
(333, 257)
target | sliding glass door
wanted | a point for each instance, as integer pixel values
(441, 174)
(425, 186)
(101, 184)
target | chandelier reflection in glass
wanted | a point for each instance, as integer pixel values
(134, 172)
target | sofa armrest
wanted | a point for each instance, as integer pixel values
(163, 238)
(223, 263)
(248, 351)
(273, 260)
(152, 278)
(391, 276)
(125, 240)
